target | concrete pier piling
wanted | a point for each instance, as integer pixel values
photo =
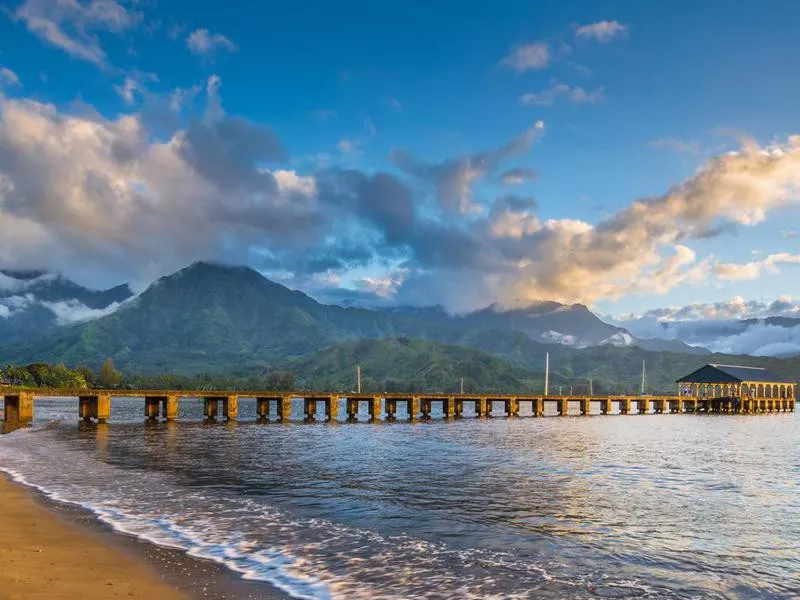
(563, 407)
(95, 405)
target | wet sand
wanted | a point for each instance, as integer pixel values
(51, 551)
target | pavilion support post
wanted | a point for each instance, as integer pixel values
(605, 406)
(644, 405)
(624, 406)
(586, 406)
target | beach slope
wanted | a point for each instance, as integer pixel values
(45, 556)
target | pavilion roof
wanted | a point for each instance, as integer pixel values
(732, 374)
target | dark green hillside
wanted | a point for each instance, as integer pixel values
(407, 365)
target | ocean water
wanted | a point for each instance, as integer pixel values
(641, 506)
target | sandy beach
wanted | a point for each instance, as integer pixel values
(46, 556)
(52, 550)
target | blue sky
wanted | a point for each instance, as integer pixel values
(620, 101)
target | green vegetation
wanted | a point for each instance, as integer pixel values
(214, 327)
(43, 376)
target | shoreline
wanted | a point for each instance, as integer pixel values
(58, 550)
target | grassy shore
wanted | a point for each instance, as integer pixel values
(45, 556)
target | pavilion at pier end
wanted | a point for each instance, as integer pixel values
(734, 388)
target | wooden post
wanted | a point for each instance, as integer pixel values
(390, 408)
(262, 409)
(19, 408)
(169, 407)
(480, 407)
(151, 406)
(586, 406)
(374, 408)
(310, 409)
(230, 407)
(605, 406)
(563, 407)
(285, 408)
(332, 408)
(644, 405)
(426, 408)
(459, 408)
(352, 409)
(210, 407)
(449, 407)
(413, 408)
(538, 407)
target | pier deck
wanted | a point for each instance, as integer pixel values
(95, 404)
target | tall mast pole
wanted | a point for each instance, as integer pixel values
(547, 374)
(642, 376)
(358, 378)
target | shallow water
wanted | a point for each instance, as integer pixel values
(650, 506)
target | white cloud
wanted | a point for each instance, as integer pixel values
(602, 31)
(8, 77)
(534, 56)
(576, 95)
(203, 43)
(70, 25)
(790, 233)
(754, 269)
(88, 196)
(74, 311)
(133, 85)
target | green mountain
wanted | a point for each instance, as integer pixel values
(33, 301)
(218, 319)
(405, 364)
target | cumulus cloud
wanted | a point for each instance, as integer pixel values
(74, 311)
(203, 43)
(72, 25)
(528, 57)
(454, 179)
(735, 326)
(83, 192)
(105, 199)
(642, 248)
(754, 269)
(602, 31)
(8, 77)
(575, 95)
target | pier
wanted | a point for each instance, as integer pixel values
(96, 405)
